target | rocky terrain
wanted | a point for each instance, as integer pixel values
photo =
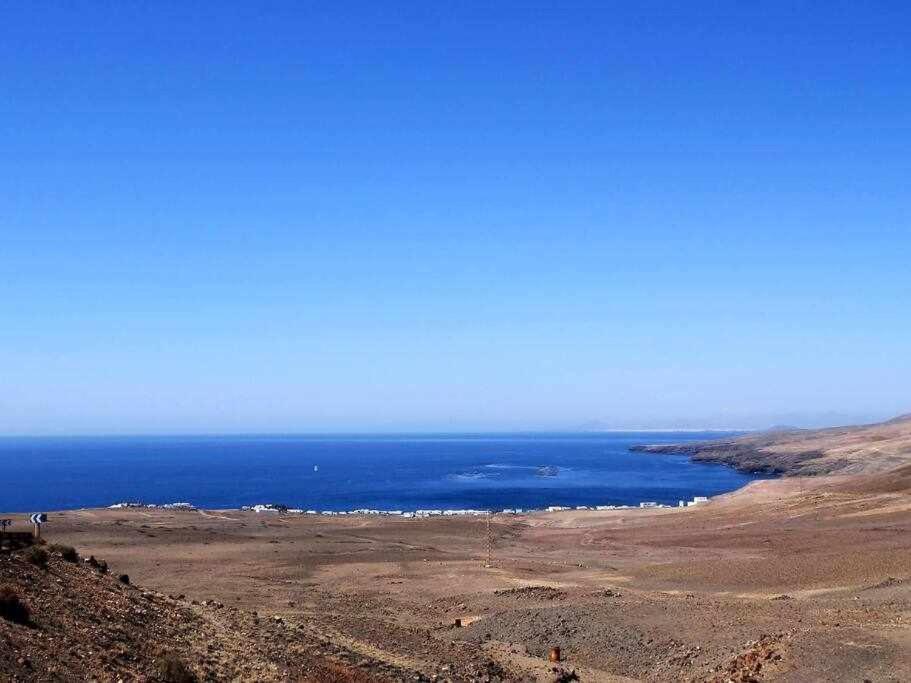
(66, 619)
(806, 452)
(789, 579)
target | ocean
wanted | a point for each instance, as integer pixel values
(388, 472)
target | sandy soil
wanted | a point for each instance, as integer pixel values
(794, 579)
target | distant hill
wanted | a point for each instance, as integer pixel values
(859, 449)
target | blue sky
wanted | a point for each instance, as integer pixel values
(294, 216)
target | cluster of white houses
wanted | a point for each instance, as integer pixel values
(278, 509)
(696, 500)
(564, 508)
(455, 513)
(164, 506)
(644, 505)
(270, 507)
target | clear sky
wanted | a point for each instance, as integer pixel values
(291, 216)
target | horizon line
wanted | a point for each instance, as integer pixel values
(504, 432)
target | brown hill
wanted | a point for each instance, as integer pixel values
(844, 450)
(70, 621)
(893, 481)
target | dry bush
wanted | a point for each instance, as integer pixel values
(37, 556)
(11, 606)
(171, 669)
(67, 552)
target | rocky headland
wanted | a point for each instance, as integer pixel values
(805, 452)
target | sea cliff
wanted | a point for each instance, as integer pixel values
(805, 452)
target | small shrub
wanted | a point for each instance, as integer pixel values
(170, 669)
(11, 607)
(37, 556)
(102, 566)
(67, 552)
(124, 579)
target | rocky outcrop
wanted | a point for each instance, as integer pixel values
(750, 459)
(804, 452)
(74, 623)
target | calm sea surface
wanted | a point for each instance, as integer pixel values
(349, 472)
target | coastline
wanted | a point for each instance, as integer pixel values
(398, 474)
(279, 509)
(793, 453)
(744, 458)
(862, 449)
(627, 594)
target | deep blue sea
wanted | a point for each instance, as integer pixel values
(349, 472)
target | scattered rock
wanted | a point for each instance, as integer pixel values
(533, 592)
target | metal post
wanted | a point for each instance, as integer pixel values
(38, 519)
(489, 543)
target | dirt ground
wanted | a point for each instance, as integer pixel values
(793, 579)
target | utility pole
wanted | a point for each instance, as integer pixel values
(489, 564)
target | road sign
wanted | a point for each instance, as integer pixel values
(38, 518)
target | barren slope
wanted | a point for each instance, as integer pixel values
(867, 448)
(83, 624)
(791, 579)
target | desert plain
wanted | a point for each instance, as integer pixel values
(802, 578)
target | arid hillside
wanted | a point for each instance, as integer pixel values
(68, 620)
(793, 579)
(788, 579)
(844, 450)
